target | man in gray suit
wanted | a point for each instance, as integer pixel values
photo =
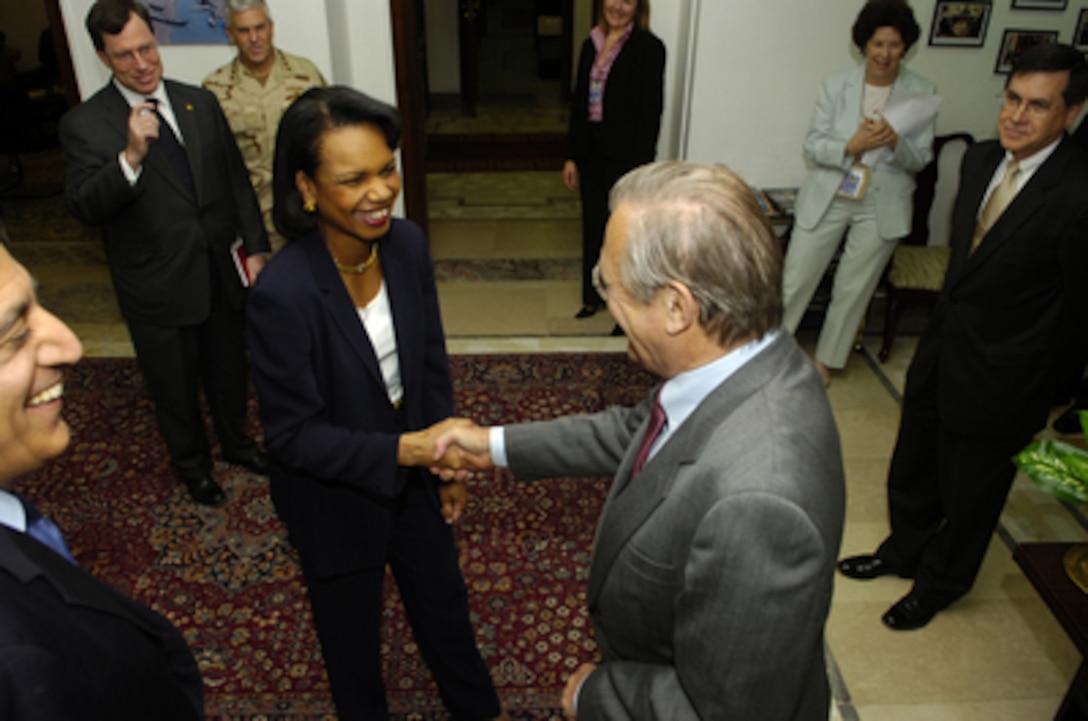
(712, 569)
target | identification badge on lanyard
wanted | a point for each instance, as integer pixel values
(854, 182)
(595, 87)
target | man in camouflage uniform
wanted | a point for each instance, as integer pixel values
(254, 90)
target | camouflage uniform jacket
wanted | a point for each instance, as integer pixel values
(253, 110)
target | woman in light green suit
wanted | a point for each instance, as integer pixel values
(851, 189)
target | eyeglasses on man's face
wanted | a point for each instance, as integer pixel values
(1011, 102)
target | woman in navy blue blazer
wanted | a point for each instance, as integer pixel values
(615, 117)
(349, 360)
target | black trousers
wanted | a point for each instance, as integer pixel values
(946, 491)
(347, 614)
(176, 363)
(596, 176)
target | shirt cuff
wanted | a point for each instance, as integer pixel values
(130, 175)
(497, 440)
(578, 694)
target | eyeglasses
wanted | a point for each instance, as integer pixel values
(145, 53)
(599, 283)
(1012, 103)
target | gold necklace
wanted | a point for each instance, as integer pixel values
(360, 267)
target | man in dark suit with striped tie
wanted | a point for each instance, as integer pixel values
(155, 163)
(70, 646)
(1010, 324)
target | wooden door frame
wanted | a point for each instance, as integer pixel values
(407, 24)
(64, 56)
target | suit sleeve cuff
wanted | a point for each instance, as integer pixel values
(497, 440)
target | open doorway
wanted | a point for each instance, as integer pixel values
(499, 84)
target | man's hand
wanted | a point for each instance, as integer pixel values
(454, 498)
(143, 129)
(419, 448)
(254, 265)
(573, 684)
(464, 446)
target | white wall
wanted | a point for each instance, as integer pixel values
(361, 43)
(758, 66)
(672, 22)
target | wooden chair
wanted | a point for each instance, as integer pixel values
(917, 269)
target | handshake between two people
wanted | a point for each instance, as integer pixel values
(453, 450)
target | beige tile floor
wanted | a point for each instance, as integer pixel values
(996, 655)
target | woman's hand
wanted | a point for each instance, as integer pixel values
(570, 175)
(872, 134)
(454, 497)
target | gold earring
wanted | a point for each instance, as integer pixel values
(309, 206)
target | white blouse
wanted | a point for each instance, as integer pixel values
(377, 318)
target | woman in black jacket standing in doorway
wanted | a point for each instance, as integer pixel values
(614, 120)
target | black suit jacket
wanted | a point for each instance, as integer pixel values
(633, 100)
(330, 429)
(159, 235)
(1013, 317)
(73, 648)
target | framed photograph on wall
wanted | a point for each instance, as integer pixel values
(196, 22)
(1039, 4)
(960, 23)
(1080, 32)
(1015, 43)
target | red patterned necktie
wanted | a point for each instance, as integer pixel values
(653, 430)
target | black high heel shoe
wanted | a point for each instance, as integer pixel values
(587, 311)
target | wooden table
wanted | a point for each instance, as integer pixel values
(1042, 564)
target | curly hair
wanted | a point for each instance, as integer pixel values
(885, 13)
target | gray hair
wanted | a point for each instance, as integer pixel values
(702, 226)
(230, 7)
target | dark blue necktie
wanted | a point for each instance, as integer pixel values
(45, 531)
(171, 147)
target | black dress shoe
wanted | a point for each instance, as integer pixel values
(205, 491)
(255, 461)
(910, 612)
(1068, 423)
(863, 568)
(587, 311)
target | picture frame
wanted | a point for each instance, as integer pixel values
(959, 23)
(1015, 42)
(1080, 32)
(197, 22)
(1039, 4)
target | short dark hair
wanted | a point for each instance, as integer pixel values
(885, 13)
(109, 17)
(1054, 58)
(298, 142)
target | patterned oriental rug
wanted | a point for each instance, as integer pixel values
(228, 578)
